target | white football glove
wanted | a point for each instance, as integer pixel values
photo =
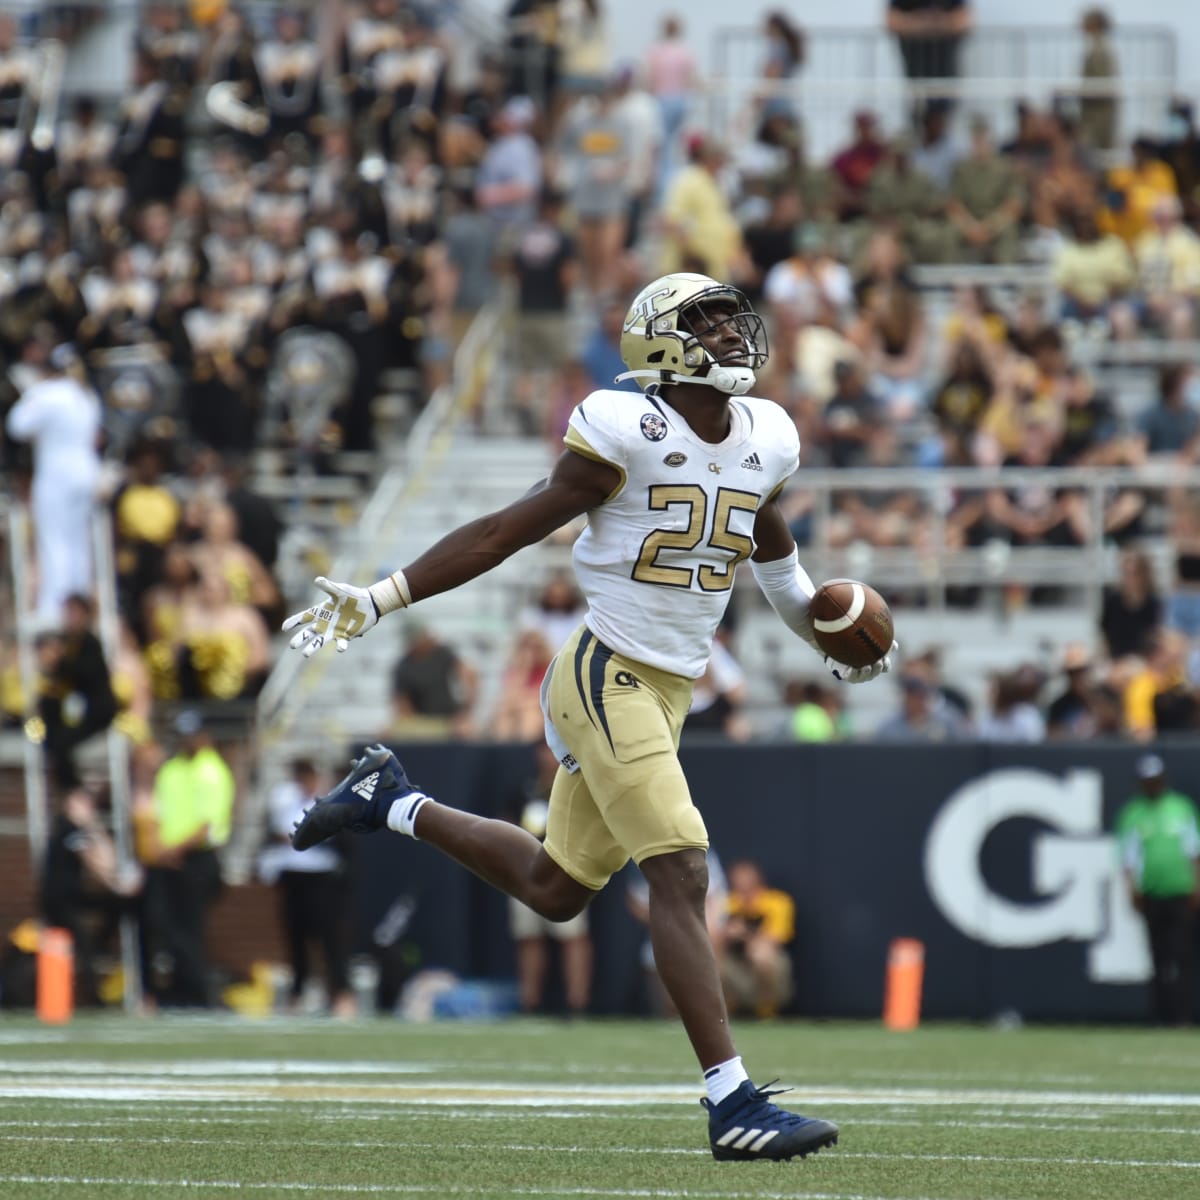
(348, 613)
(862, 674)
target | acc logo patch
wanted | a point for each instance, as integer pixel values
(675, 459)
(654, 428)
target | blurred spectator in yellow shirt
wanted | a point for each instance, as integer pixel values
(1130, 193)
(701, 231)
(1091, 270)
(756, 968)
(1168, 263)
(1158, 698)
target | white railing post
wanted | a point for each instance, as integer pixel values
(117, 746)
(34, 757)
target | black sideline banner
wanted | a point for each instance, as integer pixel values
(999, 858)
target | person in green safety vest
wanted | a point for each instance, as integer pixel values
(194, 794)
(1159, 835)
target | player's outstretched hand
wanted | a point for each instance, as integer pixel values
(348, 613)
(862, 674)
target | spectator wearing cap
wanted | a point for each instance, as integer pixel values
(193, 797)
(510, 175)
(986, 201)
(60, 415)
(1159, 836)
(699, 227)
(1069, 714)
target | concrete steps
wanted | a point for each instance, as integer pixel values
(476, 475)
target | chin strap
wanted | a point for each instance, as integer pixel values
(733, 381)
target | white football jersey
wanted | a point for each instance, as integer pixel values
(657, 559)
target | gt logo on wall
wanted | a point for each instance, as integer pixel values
(1075, 868)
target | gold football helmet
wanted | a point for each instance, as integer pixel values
(661, 341)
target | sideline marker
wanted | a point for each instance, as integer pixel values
(905, 975)
(55, 976)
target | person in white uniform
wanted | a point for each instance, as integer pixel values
(680, 486)
(60, 416)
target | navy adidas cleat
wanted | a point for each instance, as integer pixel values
(360, 803)
(746, 1125)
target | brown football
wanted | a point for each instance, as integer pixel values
(852, 622)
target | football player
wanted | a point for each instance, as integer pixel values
(679, 487)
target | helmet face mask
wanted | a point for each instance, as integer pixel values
(686, 328)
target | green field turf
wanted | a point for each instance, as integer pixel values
(109, 1108)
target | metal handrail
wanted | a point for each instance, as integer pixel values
(1152, 475)
(283, 692)
(32, 752)
(117, 746)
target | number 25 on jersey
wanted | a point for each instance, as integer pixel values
(662, 497)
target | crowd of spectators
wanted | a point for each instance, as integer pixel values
(374, 173)
(1139, 679)
(280, 206)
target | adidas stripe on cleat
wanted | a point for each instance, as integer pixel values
(360, 803)
(746, 1125)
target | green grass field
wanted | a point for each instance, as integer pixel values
(109, 1108)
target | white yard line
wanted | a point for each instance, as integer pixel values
(216, 1068)
(401, 1189)
(277, 1084)
(551, 1148)
(178, 1115)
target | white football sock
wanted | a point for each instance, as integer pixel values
(724, 1079)
(403, 813)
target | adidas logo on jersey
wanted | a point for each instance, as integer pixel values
(753, 463)
(366, 787)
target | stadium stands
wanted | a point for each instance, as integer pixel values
(327, 268)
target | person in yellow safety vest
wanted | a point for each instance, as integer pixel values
(194, 794)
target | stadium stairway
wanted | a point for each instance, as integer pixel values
(478, 474)
(475, 475)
